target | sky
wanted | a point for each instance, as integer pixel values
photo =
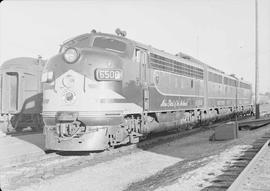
(221, 33)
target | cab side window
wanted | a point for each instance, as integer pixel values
(137, 55)
(140, 56)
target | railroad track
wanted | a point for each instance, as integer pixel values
(256, 175)
(56, 163)
(22, 133)
(254, 123)
(234, 171)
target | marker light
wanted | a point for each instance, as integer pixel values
(47, 77)
(69, 97)
(71, 55)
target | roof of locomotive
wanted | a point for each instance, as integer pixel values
(191, 61)
(182, 57)
(97, 34)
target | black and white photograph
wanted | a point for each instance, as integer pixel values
(134, 95)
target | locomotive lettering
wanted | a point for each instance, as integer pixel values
(173, 103)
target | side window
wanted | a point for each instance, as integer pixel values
(140, 56)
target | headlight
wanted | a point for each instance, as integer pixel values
(108, 74)
(71, 55)
(69, 97)
(68, 81)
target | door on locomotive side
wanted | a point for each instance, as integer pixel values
(141, 57)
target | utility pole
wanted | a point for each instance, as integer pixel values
(236, 97)
(257, 106)
(197, 43)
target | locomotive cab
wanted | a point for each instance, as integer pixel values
(89, 86)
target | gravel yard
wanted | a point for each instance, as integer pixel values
(110, 175)
(203, 161)
(187, 163)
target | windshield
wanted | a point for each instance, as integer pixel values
(80, 42)
(110, 44)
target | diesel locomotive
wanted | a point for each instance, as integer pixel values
(21, 93)
(101, 90)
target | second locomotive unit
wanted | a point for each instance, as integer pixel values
(104, 90)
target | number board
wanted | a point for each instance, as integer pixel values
(108, 74)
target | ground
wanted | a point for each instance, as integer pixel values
(187, 163)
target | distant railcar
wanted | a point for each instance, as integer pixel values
(104, 90)
(21, 93)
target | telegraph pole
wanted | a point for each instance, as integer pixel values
(257, 106)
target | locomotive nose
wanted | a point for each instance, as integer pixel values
(94, 78)
(93, 64)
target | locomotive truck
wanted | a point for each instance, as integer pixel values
(102, 90)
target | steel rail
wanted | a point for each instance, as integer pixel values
(243, 176)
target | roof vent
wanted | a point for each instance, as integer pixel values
(183, 55)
